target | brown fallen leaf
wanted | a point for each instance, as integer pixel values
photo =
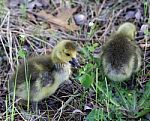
(57, 21)
(65, 13)
(32, 18)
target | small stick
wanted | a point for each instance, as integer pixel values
(63, 106)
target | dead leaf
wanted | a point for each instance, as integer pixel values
(65, 13)
(144, 45)
(57, 21)
(32, 18)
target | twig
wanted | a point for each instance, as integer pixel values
(101, 7)
(8, 13)
(108, 27)
(75, 38)
(68, 101)
(64, 105)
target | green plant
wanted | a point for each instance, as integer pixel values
(96, 115)
(21, 52)
(144, 102)
(2, 4)
(87, 73)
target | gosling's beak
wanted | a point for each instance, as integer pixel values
(74, 62)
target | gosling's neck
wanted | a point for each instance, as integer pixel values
(54, 58)
(58, 64)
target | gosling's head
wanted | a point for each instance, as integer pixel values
(127, 29)
(65, 51)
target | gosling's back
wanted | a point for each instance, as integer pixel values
(119, 57)
(118, 50)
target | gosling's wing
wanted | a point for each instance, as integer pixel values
(42, 69)
(138, 58)
(45, 79)
(118, 51)
(32, 69)
(24, 74)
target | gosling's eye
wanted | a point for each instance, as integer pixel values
(67, 54)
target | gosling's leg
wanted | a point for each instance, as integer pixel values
(35, 107)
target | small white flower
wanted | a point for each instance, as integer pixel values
(91, 24)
